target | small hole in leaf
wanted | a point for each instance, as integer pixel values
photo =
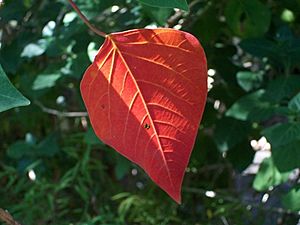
(147, 126)
(103, 106)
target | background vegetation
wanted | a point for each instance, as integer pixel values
(53, 170)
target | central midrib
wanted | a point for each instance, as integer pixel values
(145, 105)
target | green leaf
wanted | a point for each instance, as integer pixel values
(243, 106)
(282, 52)
(282, 134)
(20, 149)
(266, 111)
(180, 4)
(268, 176)
(122, 167)
(283, 87)
(261, 48)
(294, 103)
(248, 80)
(229, 132)
(91, 138)
(208, 32)
(49, 146)
(248, 18)
(291, 200)
(9, 96)
(159, 15)
(45, 81)
(287, 157)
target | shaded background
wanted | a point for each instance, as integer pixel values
(53, 170)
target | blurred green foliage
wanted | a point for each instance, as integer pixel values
(53, 169)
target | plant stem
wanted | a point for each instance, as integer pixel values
(86, 21)
(7, 218)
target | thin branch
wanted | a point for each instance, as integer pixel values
(7, 218)
(86, 21)
(60, 113)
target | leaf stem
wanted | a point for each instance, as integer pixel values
(86, 21)
(7, 218)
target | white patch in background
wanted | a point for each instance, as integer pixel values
(263, 151)
(114, 8)
(48, 30)
(32, 175)
(210, 194)
(151, 26)
(211, 72)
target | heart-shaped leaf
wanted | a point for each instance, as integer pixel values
(145, 94)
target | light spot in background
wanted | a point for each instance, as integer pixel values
(247, 64)
(13, 23)
(211, 72)
(181, 21)
(32, 175)
(265, 198)
(177, 27)
(123, 10)
(60, 100)
(84, 122)
(210, 194)
(217, 104)
(92, 51)
(114, 8)
(139, 185)
(263, 151)
(151, 26)
(134, 172)
(48, 30)
(287, 16)
(210, 82)
(69, 17)
(224, 155)
(261, 145)
(194, 170)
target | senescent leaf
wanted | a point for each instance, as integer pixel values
(145, 95)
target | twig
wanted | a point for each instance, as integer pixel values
(7, 218)
(86, 21)
(60, 113)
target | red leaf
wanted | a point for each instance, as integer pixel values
(145, 94)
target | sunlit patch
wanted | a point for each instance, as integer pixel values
(210, 194)
(151, 26)
(114, 8)
(48, 30)
(134, 172)
(32, 175)
(217, 104)
(265, 198)
(211, 72)
(177, 27)
(60, 100)
(260, 145)
(210, 82)
(287, 16)
(247, 64)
